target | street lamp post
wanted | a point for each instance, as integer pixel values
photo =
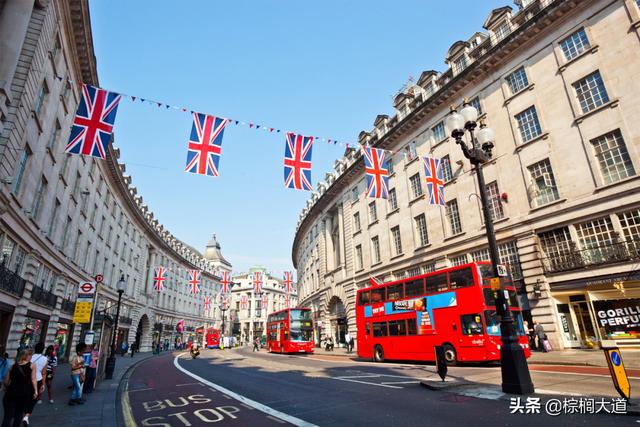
(515, 371)
(223, 308)
(111, 361)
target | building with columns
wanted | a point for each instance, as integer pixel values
(555, 81)
(66, 218)
(250, 321)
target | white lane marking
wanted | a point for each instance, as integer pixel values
(259, 406)
(275, 419)
(247, 406)
(400, 382)
(359, 376)
(364, 382)
(182, 385)
(140, 389)
(543, 391)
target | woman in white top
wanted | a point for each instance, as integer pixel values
(40, 362)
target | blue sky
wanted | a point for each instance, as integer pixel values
(319, 68)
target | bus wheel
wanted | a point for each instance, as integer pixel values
(378, 354)
(450, 355)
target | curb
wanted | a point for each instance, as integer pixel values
(122, 419)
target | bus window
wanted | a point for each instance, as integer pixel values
(363, 298)
(513, 299)
(471, 324)
(367, 329)
(377, 295)
(395, 292)
(414, 289)
(397, 327)
(488, 297)
(412, 328)
(492, 320)
(461, 278)
(437, 283)
(380, 329)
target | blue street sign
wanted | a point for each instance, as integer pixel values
(615, 358)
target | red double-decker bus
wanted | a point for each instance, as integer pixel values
(453, 307)
(213, 338)
(290, 331)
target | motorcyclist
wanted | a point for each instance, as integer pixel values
(195, 351)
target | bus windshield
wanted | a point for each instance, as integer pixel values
(300, 314)
(492, 322)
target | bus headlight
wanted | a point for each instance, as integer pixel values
(498, 346)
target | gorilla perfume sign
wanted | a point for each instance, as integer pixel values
(619, 318)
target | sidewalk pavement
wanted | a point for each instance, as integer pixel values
(631, 357)
(100, 406)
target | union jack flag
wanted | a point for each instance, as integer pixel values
(435, 181)
(159, 278)
(297, 162)
(225, 301)
(205, 144)
(257, 282)
(207, 303)
(93, 124)
(244, 302)
(288, 281)
(286, 301)
(377, 171)
(226, 281)
(265, 301)
(194, 281)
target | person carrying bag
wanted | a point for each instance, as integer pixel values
(21, 389)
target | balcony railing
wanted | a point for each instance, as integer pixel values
(575, 259)
(43, 297)
(10, 281)
(67, 306)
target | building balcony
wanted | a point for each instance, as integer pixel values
(67, 306)
(43, 297)
(10, 281)
(575, 259)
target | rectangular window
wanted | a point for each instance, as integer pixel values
(630, 223)
(380, 329)
(22, 166)
(38, 197)
(596, 240)
(528, 124)
(410, 151)
(437, 283)
(397, 242)
(356, 222)
(438, 132)
(65, 234)
(471, 324)
(412, 328)
(42, 96)
(459, 260)
(460, 64)
(354, 194)
(481, 255)
(476, 103)
(509, 256)
(613, 157)
(373, 213)
(517, 80)
(67, 89)
(453, 217)
(375, 249)
(591, 92)
(502, 31)
(76, 249)
(398, 328)
(416, 186)
(395, 292)
(393, 200)
(53, 219)
(421, 230)
(543, 183)
(429, 268)
(461, 278)
(556, 244)
(414, 288)
(54, 136)
(447, 174)
(390, 165)
(495, 204)
(575, 44)
(359, 263)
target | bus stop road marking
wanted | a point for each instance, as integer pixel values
(401, 382)
(365, 382)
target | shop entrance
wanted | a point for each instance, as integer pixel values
(585, 326)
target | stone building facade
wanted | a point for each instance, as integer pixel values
(556, 82)
(251, 321)
(65, 218)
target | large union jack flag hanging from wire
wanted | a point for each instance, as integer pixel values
(207, 303)
(194, 281)
(205, 144)
(435, 181)
(93, 124)
(288, 281)
(265, 301)
(244, 302)
(159, 278)
(377, 171)
(226, 282)
(257, 282)
(297, 162)
(286, 301)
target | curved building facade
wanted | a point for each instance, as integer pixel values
(551, 79)
(65, 219)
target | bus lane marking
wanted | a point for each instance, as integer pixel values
(365, 382)
(242, 399)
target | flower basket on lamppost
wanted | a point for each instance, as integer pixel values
(515, 371)
(111, 361)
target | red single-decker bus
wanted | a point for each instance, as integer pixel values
(453, 307)
(213, 338)
(290, 331)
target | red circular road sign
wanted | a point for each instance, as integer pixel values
(99, 278)
(87, 287)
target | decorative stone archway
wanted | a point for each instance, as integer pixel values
(143, 334)
(337, 324)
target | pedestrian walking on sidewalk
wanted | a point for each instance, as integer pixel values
(77, 375)
(124, 348)
(40, 362)
(347, 340)
(91, 370)
(541, 335)
(5, 364)
(256, 345)
(134, 348)
(21, 389)
(52, 364)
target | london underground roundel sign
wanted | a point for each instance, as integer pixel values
(87, 288)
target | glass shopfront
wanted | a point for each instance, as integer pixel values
(61, 340)
(34, 331)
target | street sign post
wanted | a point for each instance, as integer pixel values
(502, 270)
(618, 373)
(83, 312)
(441, 362)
